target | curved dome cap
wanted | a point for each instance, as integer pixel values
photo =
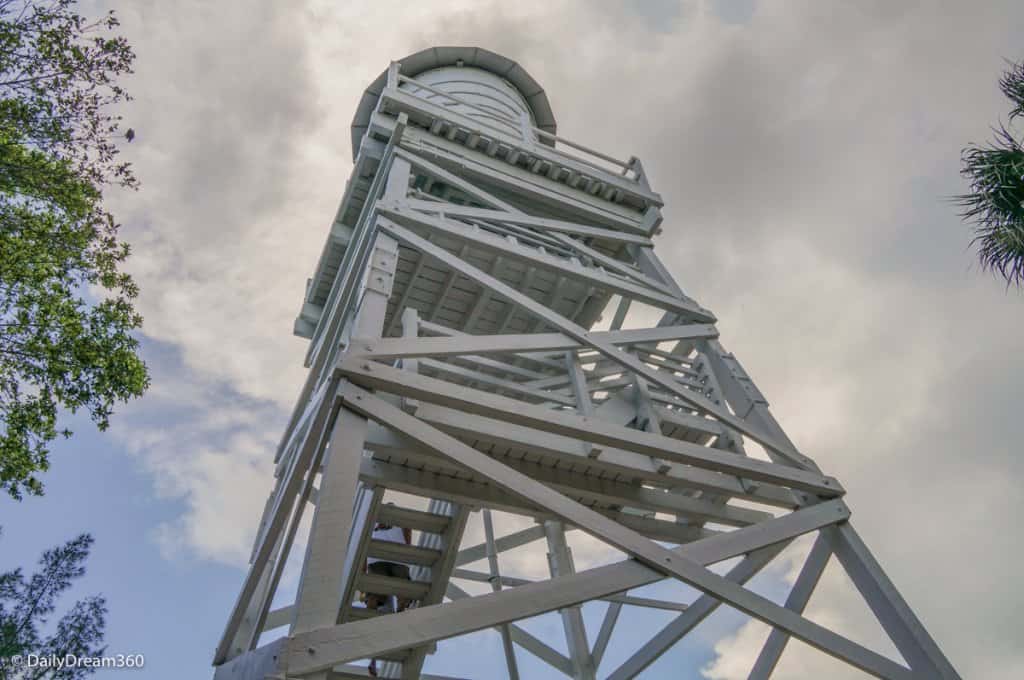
(436, 57)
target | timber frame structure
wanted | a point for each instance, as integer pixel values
(455, 356)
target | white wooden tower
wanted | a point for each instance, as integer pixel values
(477, 340)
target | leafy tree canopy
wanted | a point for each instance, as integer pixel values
(995, 202)
(27, 605)
(66, 310)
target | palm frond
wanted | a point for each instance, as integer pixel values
(995, 203)
(1012, 85)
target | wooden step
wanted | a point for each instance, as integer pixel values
(362, 613)
(412, 519)
(388, 585)
(390, 551)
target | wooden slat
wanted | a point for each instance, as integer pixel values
(416, 520)
(399, 552)
(387, 585)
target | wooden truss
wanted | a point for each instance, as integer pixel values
(454, 356)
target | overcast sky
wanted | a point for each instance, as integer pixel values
(806, 152)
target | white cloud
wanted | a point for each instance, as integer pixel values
(212, 452)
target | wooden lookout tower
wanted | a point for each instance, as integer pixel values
(491, 334)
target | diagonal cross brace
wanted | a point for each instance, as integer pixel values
(799, 595)
(585, 337)
(427, 624)
(652, 554)
(703, 607)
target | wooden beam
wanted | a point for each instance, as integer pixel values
(397, 219)
(623, 538)
(379, 376)
(666, 381)
(543, 224)
(703, 607)
(413, 627)
(519, 343)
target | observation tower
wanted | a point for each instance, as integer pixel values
(492, 336)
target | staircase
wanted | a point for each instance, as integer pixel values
(431, 559)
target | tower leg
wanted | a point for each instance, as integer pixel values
(560, 564)
(322, 583)
(320, 587)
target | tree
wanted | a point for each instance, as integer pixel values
(995, 203)
(26, 605)
(66, 310)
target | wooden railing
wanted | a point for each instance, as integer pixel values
(629, 170)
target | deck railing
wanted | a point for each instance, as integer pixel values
(530, 135)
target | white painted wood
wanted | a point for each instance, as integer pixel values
(799, 595)
(379, 376)
(604, 635)
(625, 539)
(512, 276)
(512, 582)
(559, 449)
(528, 642)
(446, 541)
(703, 607)
(583, 336)
(321, 584)
(501, 544)
(418, 626)
(546, 224)
(420, 482)
(495, 581)
(398, 217)
(522, 344)
(560, 564)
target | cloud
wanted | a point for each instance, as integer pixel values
(210, 449)
(225, 112)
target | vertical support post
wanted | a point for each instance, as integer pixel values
(410, 329)
(646, 418)
(584, 405)
(394, 68)
(321, 586)
(560, 564)
(492, 563)
(397, 186)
